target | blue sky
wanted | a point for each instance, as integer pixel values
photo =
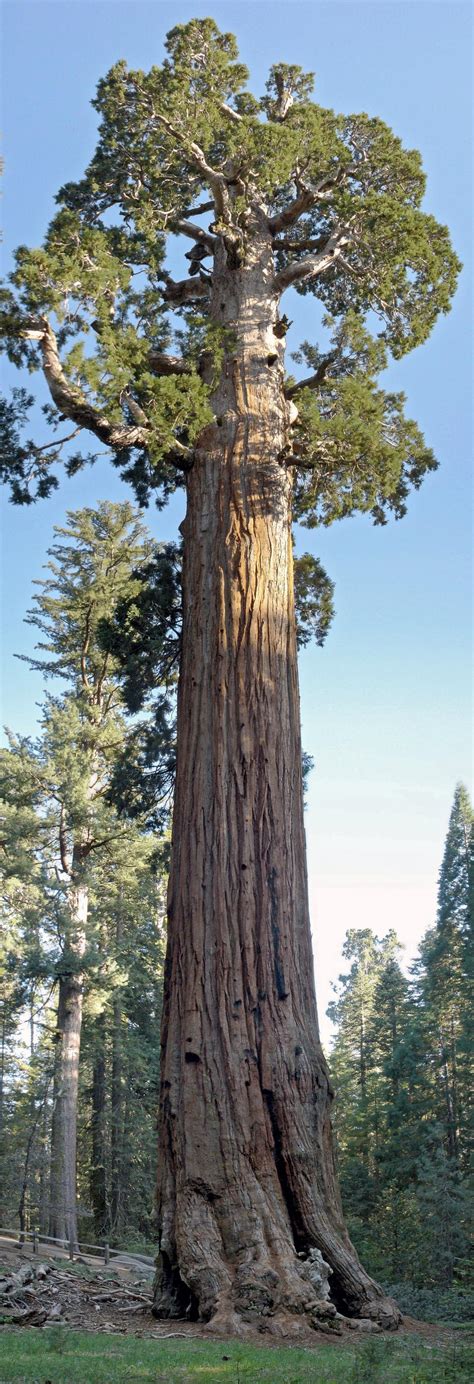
(386, 705)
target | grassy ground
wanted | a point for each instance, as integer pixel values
(57, 1355)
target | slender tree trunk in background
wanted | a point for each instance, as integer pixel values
(395, 1082)
(246, 1170)
(364, 1150)
(98, 1181)
(22, 1205)
(2, 1072)
(448, 1095)
(23, 1202)
(116, 1096)
(63, 1212)
(363, 1059)
(454, 1087)
(116, 1116)
(126, 1169)
(45, 1170)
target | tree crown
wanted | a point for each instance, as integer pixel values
(97, 310)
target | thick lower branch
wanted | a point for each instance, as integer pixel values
(70, 400)
(73, 404)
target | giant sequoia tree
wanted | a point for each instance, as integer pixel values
(183, 381)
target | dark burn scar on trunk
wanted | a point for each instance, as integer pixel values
(282, 990)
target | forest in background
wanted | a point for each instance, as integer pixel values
(86, 808)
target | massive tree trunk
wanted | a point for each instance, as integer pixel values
(247, 1183)
(63, 1212)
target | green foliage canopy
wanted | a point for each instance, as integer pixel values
(96, 309)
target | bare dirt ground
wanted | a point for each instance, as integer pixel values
(46, 1289)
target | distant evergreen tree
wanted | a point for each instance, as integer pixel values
(353, 1057)
(402, 1061)
(60, 817)
(445, 980)
(120, 1067)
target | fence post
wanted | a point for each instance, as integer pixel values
(71, 1248)
(106, 1253)
(35, 1242)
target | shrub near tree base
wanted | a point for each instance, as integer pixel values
(291, 195)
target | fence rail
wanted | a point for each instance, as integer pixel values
(74, 1247)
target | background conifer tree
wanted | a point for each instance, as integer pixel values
(403, 1109)
(59, 816)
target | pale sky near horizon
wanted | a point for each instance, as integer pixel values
(386, 705)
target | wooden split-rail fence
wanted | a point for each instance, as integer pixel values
(74, 1247)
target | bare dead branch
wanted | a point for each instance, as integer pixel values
(284, 101)
(57, 442)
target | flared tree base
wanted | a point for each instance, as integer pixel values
(267, 1286)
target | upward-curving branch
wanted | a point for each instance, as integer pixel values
(70, 400)
(313, 265)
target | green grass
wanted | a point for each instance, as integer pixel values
(60, 1356)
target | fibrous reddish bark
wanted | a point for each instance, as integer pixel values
(246, 1176)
